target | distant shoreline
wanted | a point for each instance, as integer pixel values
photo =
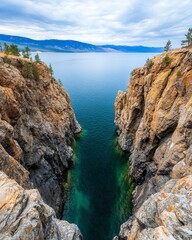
(71, 46)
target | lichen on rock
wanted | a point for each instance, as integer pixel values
(153, 119)
(24, 215)
(37, 127)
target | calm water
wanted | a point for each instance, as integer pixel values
(99, 189)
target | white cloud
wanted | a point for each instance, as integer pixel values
(133, 22)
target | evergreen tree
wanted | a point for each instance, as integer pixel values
(1, 48)
(167, 46)
(51, 69)
(37, 58)
(188, 40)
(26, 52)
(27, 70)
(14, 50)
(35, 72)
(6, 49)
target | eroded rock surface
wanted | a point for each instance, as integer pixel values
(154, 123)
(37, 126)
(23, 215)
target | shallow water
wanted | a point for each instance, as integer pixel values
(98, 197)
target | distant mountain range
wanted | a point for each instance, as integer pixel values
(55, 45)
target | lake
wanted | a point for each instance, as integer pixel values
(98, 190)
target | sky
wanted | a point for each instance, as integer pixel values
(120, 22)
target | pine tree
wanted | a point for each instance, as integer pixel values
(167, 46)
(35, 72)
(27, 71)
(6, 49)
(51, 69)
(188, 40)
(26, 52)
(1, 48)
(37, 58)
(14, 50)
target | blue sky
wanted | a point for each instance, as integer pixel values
(130, 22)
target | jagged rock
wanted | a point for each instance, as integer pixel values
(24, 215)
(37, 126)
(148, 112)
(154, 125)
(10, 164)
(164, 215)
(159, 233)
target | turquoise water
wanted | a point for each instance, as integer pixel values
(98, 189)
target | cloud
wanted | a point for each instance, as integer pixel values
(133, 22)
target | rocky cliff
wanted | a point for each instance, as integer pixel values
(154, 124)
(23, 215)
(37, 126)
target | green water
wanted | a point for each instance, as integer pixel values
(99, 198)
(98, 190)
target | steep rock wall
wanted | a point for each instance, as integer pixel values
(153, 119)
(24, 215)
(37, 126)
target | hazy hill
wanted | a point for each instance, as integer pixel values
(55, 45)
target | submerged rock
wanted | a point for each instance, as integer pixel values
(153, 120)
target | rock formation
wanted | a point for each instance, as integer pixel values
(24, 215)
(154, 124)
(37, 126)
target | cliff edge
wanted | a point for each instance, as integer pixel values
(154, 124)
(37, 126)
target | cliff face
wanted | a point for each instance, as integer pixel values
(154, 124)
(24, 215)
(37, 126)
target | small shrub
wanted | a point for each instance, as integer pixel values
(167, 60)
(149, 63)
(179, 73)
(6, 60)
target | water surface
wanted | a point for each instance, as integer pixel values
(99, 188)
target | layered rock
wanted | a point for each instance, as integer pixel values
(154, 124)
(23, 215)
(37, 126)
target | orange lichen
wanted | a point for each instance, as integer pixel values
(171, 208)
(29, 230)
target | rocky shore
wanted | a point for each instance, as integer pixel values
(37, 126)
(154, 124)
